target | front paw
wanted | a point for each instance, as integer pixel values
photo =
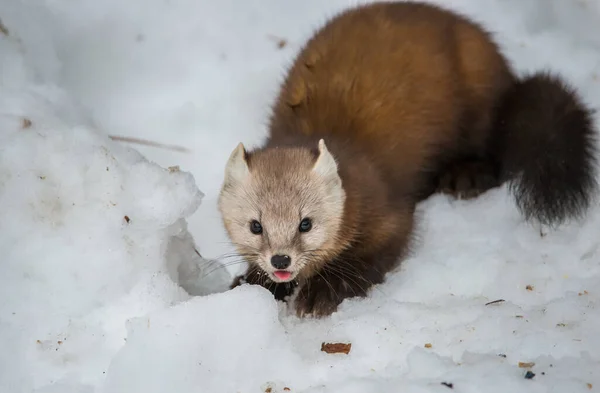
(317, 298)
(255, 276)
(237, 281)
(252, 276)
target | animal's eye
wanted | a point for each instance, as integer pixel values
(255, 227)
(305, 225)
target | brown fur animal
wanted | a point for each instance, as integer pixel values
(384, 105)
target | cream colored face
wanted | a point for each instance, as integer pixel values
(282, 208)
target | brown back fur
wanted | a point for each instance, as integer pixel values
(404, 81)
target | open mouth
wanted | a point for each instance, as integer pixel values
(283, 275)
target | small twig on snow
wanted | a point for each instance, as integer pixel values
(149, 143)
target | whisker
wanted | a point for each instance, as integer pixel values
(344, 276)
(341, 277)
(347, 267)
(206, 274)
(328, 284)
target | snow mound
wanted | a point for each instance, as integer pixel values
(92, 235)
(223, 343)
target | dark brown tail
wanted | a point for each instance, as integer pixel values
(547, 149)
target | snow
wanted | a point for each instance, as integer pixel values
(93, 302)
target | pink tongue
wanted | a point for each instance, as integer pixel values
(282, 274)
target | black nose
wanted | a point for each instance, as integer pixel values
(280, 261)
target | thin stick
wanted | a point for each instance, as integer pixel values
(3, 29)
(149, 143)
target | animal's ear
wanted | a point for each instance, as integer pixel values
(236, 168)
(325, 164)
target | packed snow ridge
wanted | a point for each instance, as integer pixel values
(115, 271)
(93, 235)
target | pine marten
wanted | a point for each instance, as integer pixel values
(386, 104)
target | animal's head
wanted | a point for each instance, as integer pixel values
(283, 208)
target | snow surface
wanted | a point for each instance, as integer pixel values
(90, 301)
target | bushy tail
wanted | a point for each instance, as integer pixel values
(547, 145)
